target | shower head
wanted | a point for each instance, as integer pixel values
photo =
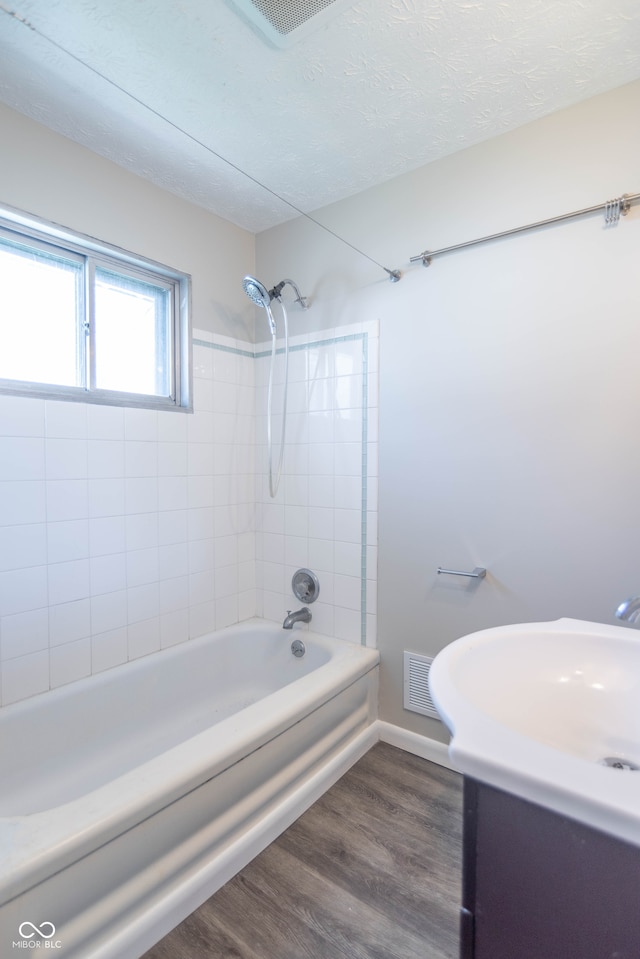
(256, 291)
(261, 296)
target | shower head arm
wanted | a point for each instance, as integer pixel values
(302, 300)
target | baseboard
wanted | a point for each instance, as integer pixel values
(414, 743)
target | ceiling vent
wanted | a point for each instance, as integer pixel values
(284, 22)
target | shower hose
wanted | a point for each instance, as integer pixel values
(274, 481)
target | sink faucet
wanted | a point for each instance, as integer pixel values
(629, 610)
(300, 616)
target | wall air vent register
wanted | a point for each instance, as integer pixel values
(417, 695)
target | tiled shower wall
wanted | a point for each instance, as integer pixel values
(125, 531)
(324, 516)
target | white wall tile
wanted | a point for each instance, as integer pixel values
(70, 662)
(105, 458)
(172, 427)
(23, 546)
(321, 459)
(21, 416)
(226, 551)
(67, 499)
(199, 461)
(108, 649)
(23, 633)
(25, 676)
(107, 535)
(201, 618)
(141, 531)
(172, 493)
(200, 524)
(174, 594)
(200, 427)
(108, 573)
(226, 581)
(226, 610)
(347, 558)
(141, 494)
(201, 555)
(109, 611)
(347, 624)
(143, 637)
(321, 523)
(173, 560)
(23, 503)
(105, 422)
(347, 591)
(173, 527)
(143, 602)
(66, 419)
(142, 567)
(106, 497)
(321, 555)
(201, 587)
(22, 458)
(69, 622)
(141, 424)
(67, 540)
(140, 458)
(69, 581)
(348, 459)
(172, 459)
(174, 628)
(66, 459)
(348, 525)
(200, 492)
(23, 589)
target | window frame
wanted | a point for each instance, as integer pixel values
(26, 229)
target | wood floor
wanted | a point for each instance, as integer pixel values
(371, 871)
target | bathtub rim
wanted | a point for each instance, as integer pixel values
(35, 846)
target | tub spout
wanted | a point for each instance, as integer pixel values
(300, 616)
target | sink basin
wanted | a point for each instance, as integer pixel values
(551, 713)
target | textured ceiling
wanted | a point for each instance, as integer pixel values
(166, 88)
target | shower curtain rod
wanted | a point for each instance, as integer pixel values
(613, 210)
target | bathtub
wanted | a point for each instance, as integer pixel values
(129, 797)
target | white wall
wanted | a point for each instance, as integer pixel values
(509, 395)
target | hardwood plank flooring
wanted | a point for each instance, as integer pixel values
(371, 871)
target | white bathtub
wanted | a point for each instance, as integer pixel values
(128, 798)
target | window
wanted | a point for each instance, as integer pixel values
(81, 320)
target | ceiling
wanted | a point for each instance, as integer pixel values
(190, 95)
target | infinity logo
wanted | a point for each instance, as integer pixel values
(41, 931)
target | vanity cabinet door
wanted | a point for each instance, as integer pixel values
(538, 885)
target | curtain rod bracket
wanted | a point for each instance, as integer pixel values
(394, 275)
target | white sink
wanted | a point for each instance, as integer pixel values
(536, 708)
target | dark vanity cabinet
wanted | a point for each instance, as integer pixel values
(538, 885)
